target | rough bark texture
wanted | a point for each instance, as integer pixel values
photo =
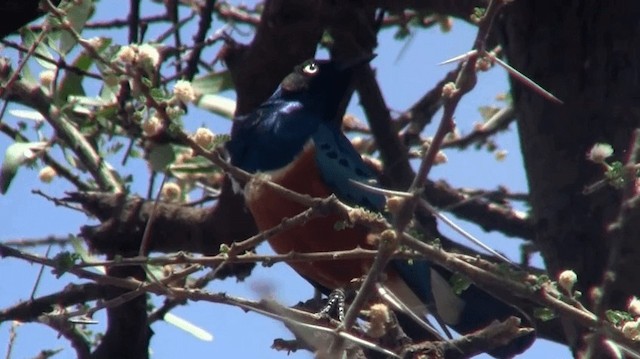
(587, 54)
(128, 333)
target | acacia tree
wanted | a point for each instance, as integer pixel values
(583, 216)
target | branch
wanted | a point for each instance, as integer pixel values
(60, 169)
(486, 214)
(36, 242)
(71, 295)
(288, 34)
(206, 12)
(33, 97)
(421, 113)
(498, 122)
(397, 173)
(482, 341)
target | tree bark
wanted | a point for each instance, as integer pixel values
(587, 54)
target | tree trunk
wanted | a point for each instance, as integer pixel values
(587, 54)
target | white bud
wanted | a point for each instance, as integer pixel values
(171, 192)
(634, 307)
(204, 137)
(46, 77)
(631, 331)
(600, 152)
(152, 126)
(127, 54)
(567, 279)
(47, 174)
(148, 53)
(501, 155)
(379, 316)
(95, 42)
(183, 91)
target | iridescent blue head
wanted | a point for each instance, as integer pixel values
(272, 135)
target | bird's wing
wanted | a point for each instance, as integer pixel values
(339, 164)
(270, 137)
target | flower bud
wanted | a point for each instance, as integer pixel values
(47, 77)
(149, 54)
(600, 152)
(634, 307)
(567, 279)
(47, 174)
(152, 127)
(183, 91)
(171, 192)
(204, 137)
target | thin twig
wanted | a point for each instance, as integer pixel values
(60, 169)
(206, 18)
(16, 74)
(134, 21)
(498, 122)
(618, 238)
(37, 282)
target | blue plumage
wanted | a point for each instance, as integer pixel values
(272, 136)
(303, 112)
(340, 163)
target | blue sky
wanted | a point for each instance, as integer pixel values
(404, 76)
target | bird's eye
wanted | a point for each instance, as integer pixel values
(310, 68)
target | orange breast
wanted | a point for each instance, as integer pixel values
(318, 235)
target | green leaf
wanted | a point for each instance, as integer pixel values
(615, 174)
(459, 283)
(488, 111)
(217, 104)
(212, 83)
(48, 353)
(479, 12)
(71, 84)
(114, 147)
(156, 270)
(28, 40)
(64, 262)
(161, 156)
(84, 254)
(221, 139)
(78, 12)
(544, 314)
(188, 327)
(32, 115)
(158, 94)
(402, 33)
(16, 155)
(193, 166)
(617, 316)
(147, 82)
(71, 160)
(540, 281)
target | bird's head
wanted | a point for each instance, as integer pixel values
(322, 84)
(276, 132)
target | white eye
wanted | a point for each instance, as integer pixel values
(310, 68)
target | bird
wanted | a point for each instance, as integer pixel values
(295, 138)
